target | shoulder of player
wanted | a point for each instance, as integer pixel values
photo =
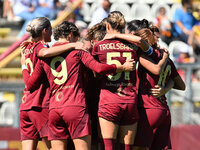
(41, 45)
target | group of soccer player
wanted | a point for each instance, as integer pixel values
(118, 102)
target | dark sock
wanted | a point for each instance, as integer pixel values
(108, 144)
(126, 146)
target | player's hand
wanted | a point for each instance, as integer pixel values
(157, 91)
(87, 45)
(80, 46)
(22, 58)
(129, 65)
(165, 53)
(24, 44)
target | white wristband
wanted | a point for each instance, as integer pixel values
(23, 67)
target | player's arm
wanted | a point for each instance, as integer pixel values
(94, 65)
(149, 64)
(179, 84)
(134, 39)
(56, 50)
(33, 81)
(176, 83)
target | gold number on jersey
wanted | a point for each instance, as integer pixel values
(163, 75)
(61, 76)
(30, 64)
(110, 61)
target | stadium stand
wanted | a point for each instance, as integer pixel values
(173, 9)
(137, 11)
(155, 7)
(174, 49)
(84, 11)
(129, 1)
(163, 44)
(195, 90)
(7, 112)
(124, 9)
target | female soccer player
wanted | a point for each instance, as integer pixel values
(155, 120)
(36, 102)
(68, 113)
(94, 34)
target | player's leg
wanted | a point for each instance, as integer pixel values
(29, 144)
(140, 148)
(162, 134)
(128, 126)
(29, 133)
(109, 133)
(78, 121)
(83, 143)
(144, 135)
(58, 133)
(127, 136)
(59, 144)
(42, 124)
(47, 142)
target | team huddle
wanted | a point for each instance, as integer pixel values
(106, 92)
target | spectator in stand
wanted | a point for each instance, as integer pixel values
(6, 8)
(183, 21)
(23, 9)
(100, 13)
(184, 57)
(76, 14)
(194, 40)
(45, 9)
(164, 24)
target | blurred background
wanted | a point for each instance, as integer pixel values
(15, 15)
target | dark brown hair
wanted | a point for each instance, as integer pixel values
(64, 29)
(97, 32)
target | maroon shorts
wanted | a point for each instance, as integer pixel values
(68, 122)
(119, 113)
(153, 129)
(34, 123)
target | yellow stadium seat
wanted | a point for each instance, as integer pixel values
(4, 32)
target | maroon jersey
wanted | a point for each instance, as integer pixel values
(119, 87)
(64, 73)
(39, 97)
(149, 80)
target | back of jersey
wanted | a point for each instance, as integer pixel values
(120, 87)
(64, 73)
(39, 97)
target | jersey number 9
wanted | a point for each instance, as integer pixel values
(61, 76)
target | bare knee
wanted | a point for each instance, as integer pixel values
(127, 134)
(59, 144)
(29, 144)
(83, 143)
(47, 143)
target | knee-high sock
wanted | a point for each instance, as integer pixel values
(108, 144)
